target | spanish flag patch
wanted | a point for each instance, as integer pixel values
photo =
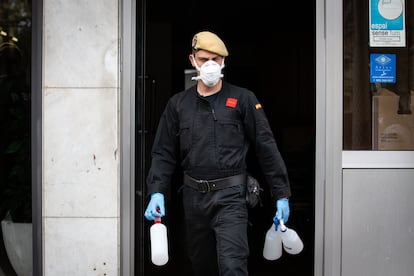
(258, 106)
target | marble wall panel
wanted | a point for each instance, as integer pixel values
(79, 246)
(81, 43)
(81, 157)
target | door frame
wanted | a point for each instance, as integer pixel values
(328, 169)
(328, 137)
(36, 135)
(127, 136)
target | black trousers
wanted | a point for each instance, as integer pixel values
(216, 225)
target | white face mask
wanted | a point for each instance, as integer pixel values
(210, 72)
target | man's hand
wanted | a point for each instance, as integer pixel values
(156, 207)
(282, 211)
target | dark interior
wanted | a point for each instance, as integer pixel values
(271, 52)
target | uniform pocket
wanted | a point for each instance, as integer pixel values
(185, 136)
(230, 143)
(230, 133)
(235, 194)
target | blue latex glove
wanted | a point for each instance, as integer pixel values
(282, 211)
(156, 207)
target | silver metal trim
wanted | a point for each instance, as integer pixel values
(378, 159)
(127, 15)
(36, 136)
(328, 171)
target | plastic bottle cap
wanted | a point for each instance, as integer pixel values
(157, 220)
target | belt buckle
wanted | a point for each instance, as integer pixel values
(203, 186)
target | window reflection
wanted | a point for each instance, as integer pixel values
(15, 166)
(378, 112)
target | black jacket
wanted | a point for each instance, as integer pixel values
(212, 140)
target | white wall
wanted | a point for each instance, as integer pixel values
(81, 137)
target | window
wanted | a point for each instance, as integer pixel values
(15, 138)
(378, 84)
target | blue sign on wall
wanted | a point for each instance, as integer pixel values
(382, 68)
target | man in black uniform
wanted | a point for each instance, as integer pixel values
(208, 129)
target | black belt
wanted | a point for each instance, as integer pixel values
(205, 186)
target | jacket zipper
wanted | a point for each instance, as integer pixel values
(214, 114)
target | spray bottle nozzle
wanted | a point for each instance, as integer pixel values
(283, 228)
(157, 218)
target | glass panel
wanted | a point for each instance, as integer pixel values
(378, 79)
(15, 138)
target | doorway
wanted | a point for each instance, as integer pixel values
(267, 55)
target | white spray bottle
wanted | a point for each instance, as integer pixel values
(272, 249)
(291, 241)
(159, 242)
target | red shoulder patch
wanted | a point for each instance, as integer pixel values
(231, 102)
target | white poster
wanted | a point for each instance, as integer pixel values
(386, 23)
